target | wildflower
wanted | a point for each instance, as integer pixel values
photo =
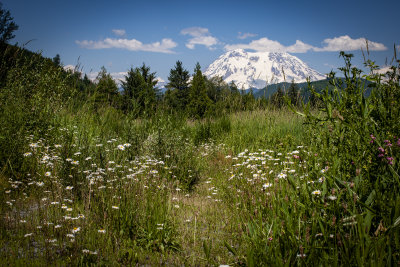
(387, 143)
(64, 206)
(127, 145)
(390, 160)
(282, 175)
(381, 150)
(398, 142)
(372, 139)
(121, 147)
(27, 235)
(76, 229)
(115, 207)
(176, 206)
(381, 155)
(57, 226)
(75, 162)
(71, 235)
(316, 192)
(88, 158)
(265, 186)
(40, 184)
(85, 251)
(57, 146)
(27, 154)
(47, 174)
(69, 187)
(33, 145)
(332, 197)
(103, 231)
(69, 209)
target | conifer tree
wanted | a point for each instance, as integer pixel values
(7, 25)
(277, 97)
(293, 94)
(199, 102)
(139, 92)
(106, 89)
(179, 80)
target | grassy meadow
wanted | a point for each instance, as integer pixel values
(86, 185)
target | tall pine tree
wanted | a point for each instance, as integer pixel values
(179, 82)
(199, 102)
(106, 89)
(139, 92)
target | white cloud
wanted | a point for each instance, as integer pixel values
(246, 35)
(195, 31)
(119, 32)
(267, 45)
(207, 41)
(164, 46)
(200, 36)
(346, 43)
(299, 47)
(342, 43)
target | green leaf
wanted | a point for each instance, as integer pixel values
(230, 248)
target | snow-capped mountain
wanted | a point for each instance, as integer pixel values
(256, 69)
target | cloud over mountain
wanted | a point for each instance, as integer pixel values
(342, 43)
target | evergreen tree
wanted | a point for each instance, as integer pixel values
(57, 60)
(179, 80)
(277, 98)
(199, 102)
(7, 25)
(139, 92)
(293, 93)
(106, 89)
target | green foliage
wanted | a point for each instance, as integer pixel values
(106, 91)
(199, 102)
(7, 25)
(356, 134)
(178, 80)
(34, 91)
(139, 91)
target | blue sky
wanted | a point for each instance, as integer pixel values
(121, 34)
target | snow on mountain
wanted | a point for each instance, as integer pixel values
(254, 69)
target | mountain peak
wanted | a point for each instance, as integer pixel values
(256, 69)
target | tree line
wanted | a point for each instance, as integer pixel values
(195, 95)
